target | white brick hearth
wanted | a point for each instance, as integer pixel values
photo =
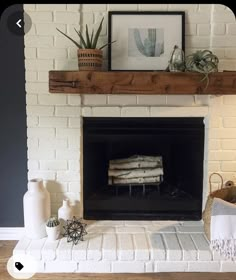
(129, 246)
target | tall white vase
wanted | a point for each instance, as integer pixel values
(65, 213)
(37, 209)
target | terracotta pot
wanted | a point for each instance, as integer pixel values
(90, 59)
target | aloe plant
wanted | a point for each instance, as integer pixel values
(89, 41)
(204, 62)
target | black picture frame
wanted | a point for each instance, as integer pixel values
(136, 35)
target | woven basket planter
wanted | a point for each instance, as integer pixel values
(227, 194)
(90, 59)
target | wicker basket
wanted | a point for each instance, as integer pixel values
(227, 194)
(90, 59)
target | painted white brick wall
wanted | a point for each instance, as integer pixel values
(54, 120)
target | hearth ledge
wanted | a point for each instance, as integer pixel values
(147, 246)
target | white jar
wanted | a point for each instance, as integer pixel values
(53, 233)
(37, 209)
(65, 213)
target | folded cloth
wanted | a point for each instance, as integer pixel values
(223, 228)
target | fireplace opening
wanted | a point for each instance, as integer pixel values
(143, 168)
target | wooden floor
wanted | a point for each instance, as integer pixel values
(6, 248)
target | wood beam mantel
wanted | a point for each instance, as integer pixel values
(127, 82)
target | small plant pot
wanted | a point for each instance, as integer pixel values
(53, 232)
(90, 59)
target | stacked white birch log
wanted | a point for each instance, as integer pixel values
(137, 169)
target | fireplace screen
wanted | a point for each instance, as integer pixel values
(143, 168)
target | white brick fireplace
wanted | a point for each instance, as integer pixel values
(54, 122)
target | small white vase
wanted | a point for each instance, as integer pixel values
(65, 213)
(37, 209)
(53, 232)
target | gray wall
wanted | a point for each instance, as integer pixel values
(13, 141)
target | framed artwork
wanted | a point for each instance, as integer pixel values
(144, 40)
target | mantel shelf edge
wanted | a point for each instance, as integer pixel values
(141, 82)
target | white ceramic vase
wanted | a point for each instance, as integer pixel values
(37, 209)
(65, 213)
(53, 232)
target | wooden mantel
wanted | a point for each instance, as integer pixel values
(127, 82)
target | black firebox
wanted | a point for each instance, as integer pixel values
(176, 196)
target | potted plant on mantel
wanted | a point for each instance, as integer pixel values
(89, 56)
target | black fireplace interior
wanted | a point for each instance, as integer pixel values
(180, 143)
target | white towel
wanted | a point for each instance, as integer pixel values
(223, 228)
